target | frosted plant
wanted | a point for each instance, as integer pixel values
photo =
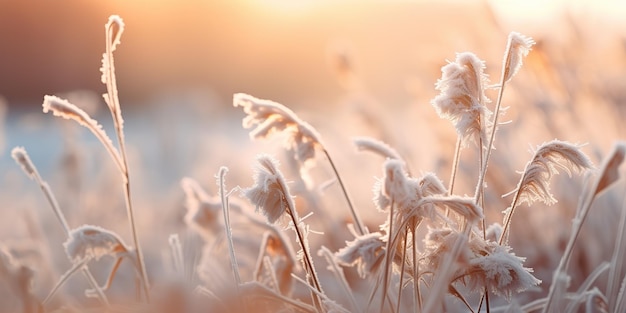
(20, 156)
(64, 109)
(500, 271)
(269, 117)
(365, 252)
(93, 242)
(534, 186)
(518, 47)
(271, 196)
(462, 99)
(438, 243)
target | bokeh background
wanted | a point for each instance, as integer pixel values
(349, 68)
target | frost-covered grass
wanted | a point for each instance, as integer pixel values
(303, 234)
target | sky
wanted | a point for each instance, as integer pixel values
(275, 48)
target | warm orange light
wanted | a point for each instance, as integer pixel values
(287, 6)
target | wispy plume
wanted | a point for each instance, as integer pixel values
(268, 117)
(518, 48)
(462, 97)
(549, 158)
(534, 185)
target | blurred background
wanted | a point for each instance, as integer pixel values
(278, 49)
(349, 68)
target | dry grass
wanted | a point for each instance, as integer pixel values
(431, 248)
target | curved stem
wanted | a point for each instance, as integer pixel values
(114, 108)
(357, 220)
(229, 235)
(306, 257)
(455, 165)
(509, 214)
(416, 276)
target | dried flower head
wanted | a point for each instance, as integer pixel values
(548, 159)
(269, 193)
(462, 99)
(21, 157)
(501, 271)
(203, 211)
(269, 117)
(366, 252)
(517, 48)
(93, 242)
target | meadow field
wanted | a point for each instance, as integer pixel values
(482, 174)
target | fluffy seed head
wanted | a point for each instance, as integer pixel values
(90, 241)
(366, 252)
(518, 47)
(549, 158)
(462, 98)
(269, 192)
(502, 272)
(269, 117)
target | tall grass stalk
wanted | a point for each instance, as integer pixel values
(20, 155)
(360, 226)
(233, 259)
(517, 47)
(271, 195)
(617, 260)
(113, 31)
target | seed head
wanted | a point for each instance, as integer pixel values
(93, 242)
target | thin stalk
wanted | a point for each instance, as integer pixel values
(112, 100)
(617, 260)
(306, 258)
(133, 229)
(229, 234)
(455, 165)
(388, 266)
(357, 220)
(308, 263)
(576, 227)
(403, 262)
(64, 278)
(509, 214)
(416, 283)
(492, 136)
